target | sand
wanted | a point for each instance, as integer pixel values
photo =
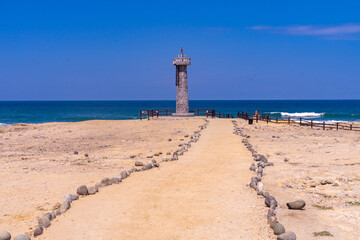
(38, 165)
(201, 196)
(314, 156)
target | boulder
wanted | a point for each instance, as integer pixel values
(38, 231)
(278, 229)
(297, 205)
(149, 156)
(287, 236)
(82, 190)
(4, 235)
(106, 181)
(22, 237)
(92, 190)
(156, 165)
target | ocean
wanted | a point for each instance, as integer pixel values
(71, 111)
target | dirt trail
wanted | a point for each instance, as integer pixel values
(201, 196)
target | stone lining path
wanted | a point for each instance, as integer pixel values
(201, 196)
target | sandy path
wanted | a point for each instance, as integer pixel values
(201, 196)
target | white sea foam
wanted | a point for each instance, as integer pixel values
(300, 114)
(2, 124)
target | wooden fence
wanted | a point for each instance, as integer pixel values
(168, 112)
(302, 122)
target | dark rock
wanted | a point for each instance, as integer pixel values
(153, 161)
(147, 166)
(86, 155)
(4, 235)
(124, 174)
(260, 157)
(44, 222)
(55, 213)
(252, 167)
(156, 165)
(271, 213)
(76, 152)
(22, 237)
(268, 200)
(278, 229)
(115, 180)
(265, 194)
(38, 231)
(269, 164)
(298, 204)
(82, 190)
(92, 190)
(169, 139)
(99, 185)
(286, 159)
(287, 236)
(49, 216)
(273, 204)
(253, 184)
(132, 156)
(168, 153)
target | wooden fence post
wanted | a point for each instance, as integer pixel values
(288, 120)
(148, 114)
(311, 123)
(267, 119)
(300, 121)
(257, 118)
(337, 126)
(166, 112)
(140, 114)
(350, 126)
(277, 120)
(323, 125)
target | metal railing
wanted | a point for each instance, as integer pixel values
(299, 121)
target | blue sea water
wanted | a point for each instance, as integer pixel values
(71, 111)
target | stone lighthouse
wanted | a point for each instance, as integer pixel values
(182, 98)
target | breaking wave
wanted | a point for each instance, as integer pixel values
(300, 114)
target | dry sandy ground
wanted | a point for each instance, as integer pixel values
(314, 156)
(38, 165)
(201, 196)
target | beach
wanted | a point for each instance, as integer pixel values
(203, 195)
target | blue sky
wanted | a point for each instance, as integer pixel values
(109, 50)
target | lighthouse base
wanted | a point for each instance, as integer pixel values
(183, 114)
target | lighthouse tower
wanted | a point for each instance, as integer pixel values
(182, 97)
